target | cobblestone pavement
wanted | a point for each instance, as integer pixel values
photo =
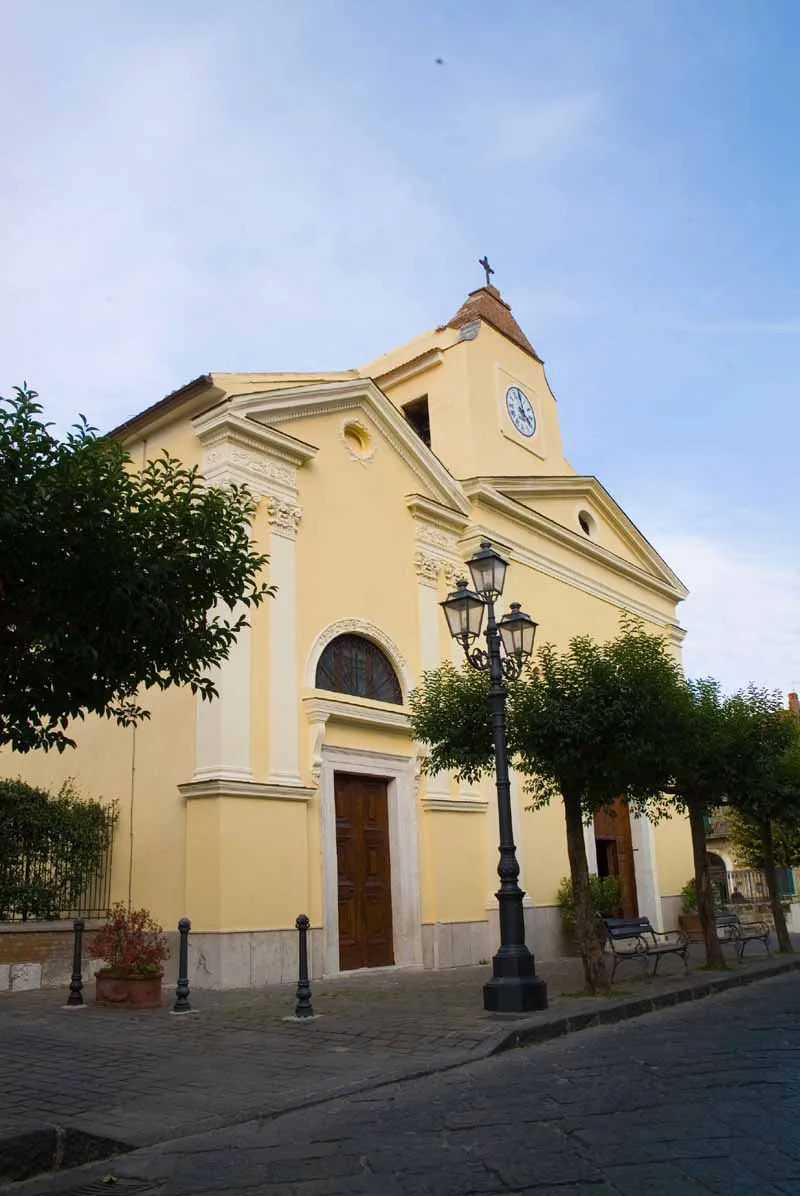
(698, 1098)
(149, 1075)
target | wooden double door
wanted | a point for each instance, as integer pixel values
(612, 833)
(365, 876)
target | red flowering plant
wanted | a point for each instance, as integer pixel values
(131, 943)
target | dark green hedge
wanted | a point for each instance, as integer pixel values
(55, 853)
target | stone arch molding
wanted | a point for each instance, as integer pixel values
(369, 632)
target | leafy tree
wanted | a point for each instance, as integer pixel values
(745, 837)
(111, 579)
(702, 739)
(765, 787)
(590, 724)
(593, 724)
(725, 752)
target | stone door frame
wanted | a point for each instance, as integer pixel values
(403, 850)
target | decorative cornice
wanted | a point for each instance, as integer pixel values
(409, 369)
(436, 532)
(434, 513)
(241, 451)
(587, 486)
(278, 406)
(284, 516)
(254, 789)
(455, 805)
(667, 584)
(224, 424)
(351, 710)
(579, 581)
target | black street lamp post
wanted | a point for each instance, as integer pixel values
(514, 986)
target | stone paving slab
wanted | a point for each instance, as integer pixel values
(141, 1077)
(698, 1099)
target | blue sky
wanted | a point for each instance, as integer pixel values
(255, 185)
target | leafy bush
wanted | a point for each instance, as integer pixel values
(131, 943)
(689, 897)
(53, 848)
(605, 894)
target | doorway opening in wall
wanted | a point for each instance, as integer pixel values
(366, 932)
(612, 835)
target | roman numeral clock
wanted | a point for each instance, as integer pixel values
(520, 411)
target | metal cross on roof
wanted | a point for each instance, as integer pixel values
(484, 261)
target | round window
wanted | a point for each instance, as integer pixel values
(587, 523)
(357, 440)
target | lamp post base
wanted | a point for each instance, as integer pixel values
(514, 987)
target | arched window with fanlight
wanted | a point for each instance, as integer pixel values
(352, 664)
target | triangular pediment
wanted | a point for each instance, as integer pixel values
(281, 409)
(579, 511)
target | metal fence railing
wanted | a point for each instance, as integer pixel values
(55, 879)
(749, 885)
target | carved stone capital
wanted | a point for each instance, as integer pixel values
(284, 516)
(436, 537)
(427, 567)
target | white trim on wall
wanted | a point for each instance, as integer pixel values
(223, 725)
(283, 730)
(403, 850)
(648, 889)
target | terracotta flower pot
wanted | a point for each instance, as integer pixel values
(134, 992)
(691, 925)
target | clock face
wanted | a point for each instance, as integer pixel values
(521, 411)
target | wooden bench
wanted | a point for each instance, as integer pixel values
(731, 929)
(635, 938)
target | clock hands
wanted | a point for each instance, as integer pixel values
(520, 410)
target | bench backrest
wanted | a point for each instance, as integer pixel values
(627, 928)
(724, 921)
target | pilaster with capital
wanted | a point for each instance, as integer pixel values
(243, 452)
(436, 559)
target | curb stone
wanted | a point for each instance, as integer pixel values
(622, 1010)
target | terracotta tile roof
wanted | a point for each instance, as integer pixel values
(487, 304)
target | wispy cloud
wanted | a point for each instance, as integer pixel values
(149, 222)
(742, 615)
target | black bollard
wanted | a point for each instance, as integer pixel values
(182, 991)
(303, 1006)
(75, 997)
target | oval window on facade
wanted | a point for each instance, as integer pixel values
(354, 665)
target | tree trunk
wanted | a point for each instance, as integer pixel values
(705, 895)
(589, 945)
(768, 849)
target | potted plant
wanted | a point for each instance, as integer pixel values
(606, 897)
(689, 918)
(133, 949)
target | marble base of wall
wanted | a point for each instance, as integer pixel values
(544, 932)
(670, 909)
(454, 944)
(464, 944)
(250, 958)
(793, 918)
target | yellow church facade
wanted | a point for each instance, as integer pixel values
(298, 790)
